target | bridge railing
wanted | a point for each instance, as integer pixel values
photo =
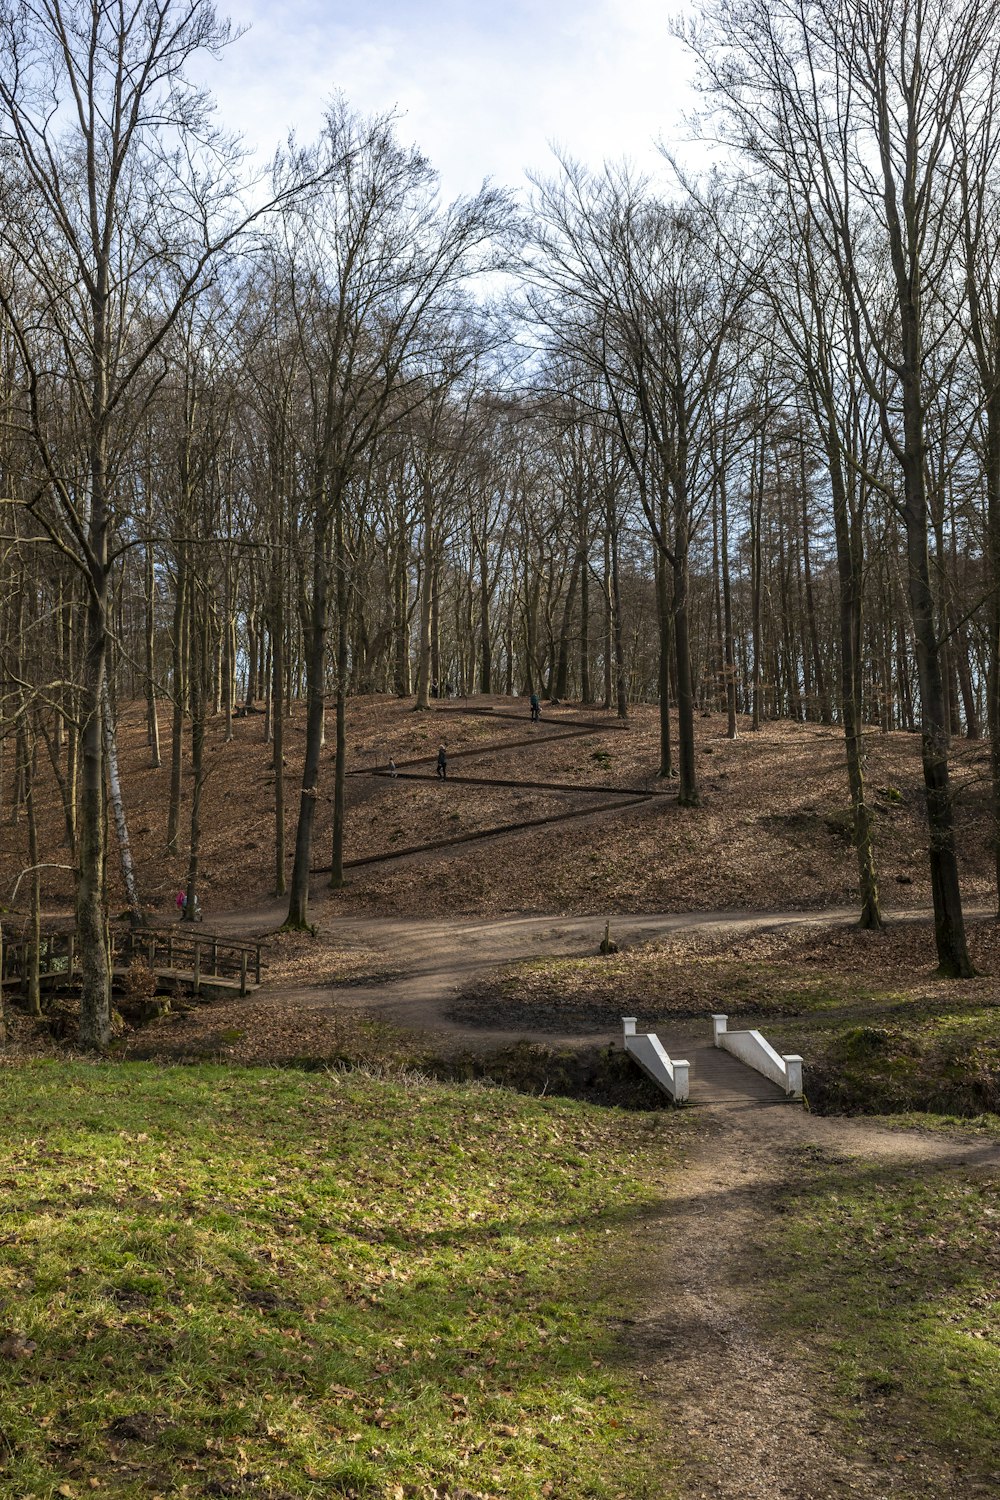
(200, 956)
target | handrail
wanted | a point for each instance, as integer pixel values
(205, 954)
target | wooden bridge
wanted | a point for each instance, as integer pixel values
(193, 962)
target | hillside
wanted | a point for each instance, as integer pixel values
(770, 833)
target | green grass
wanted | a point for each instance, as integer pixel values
(942, 1057)
(890, 1279)
(276, 1284)
(951, 1125)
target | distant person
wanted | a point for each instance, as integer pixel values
(434, 688)
(392, 768)
(182, 905)
(442, 763)
(536, 709)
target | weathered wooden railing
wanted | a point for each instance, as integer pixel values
(56, 955)
(169, 954)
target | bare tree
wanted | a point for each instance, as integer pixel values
(376, 270)
(123, 194)
(853, 105)
(638, 286)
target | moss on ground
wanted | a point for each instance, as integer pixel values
(889, 1282)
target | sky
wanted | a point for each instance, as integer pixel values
(484, 89)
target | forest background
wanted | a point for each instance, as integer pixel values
(734, 446)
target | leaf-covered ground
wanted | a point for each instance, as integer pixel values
(770, 833)
(879, 1029)
(810, 969)
(270, 1284)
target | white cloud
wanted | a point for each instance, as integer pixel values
(483, 88)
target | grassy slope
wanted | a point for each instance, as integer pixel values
(889, 1281)
(275, 1284)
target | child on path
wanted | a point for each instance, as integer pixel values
(442, 765)
(536, 709)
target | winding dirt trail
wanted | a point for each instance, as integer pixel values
(747, 1417)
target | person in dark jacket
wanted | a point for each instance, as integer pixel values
(536, 709)
(442, 765)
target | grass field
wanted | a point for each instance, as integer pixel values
(274, 1284)
(889, 1279)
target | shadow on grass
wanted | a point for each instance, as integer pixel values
(889, 1274)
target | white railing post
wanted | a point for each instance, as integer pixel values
(751, 1048)
(681, 1086)
(669, 1074)
(793, 1064)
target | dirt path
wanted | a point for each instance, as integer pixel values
(747, 1416)
(745, 1413)
(422, 964)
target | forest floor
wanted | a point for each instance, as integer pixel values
(771, 833)
(813, 1312)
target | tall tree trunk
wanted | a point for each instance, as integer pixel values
(560, 686)
(298, 899)
(850, 576)
(91, 922)
(621, 684)
(819, 671)
(992, 477)
(949, 921)
(687, 792)
(340, 760)
(401, 592)
(277, 701)
(756, 589)
(485, 644)
(199, 673)
(663, 619)
(609, 610)
(426, 593)
(586, 691)
(33, 976)
(727, 611)
(179, 684)
(118, 810)
(152, 717)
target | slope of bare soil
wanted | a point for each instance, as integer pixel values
(770, 834)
